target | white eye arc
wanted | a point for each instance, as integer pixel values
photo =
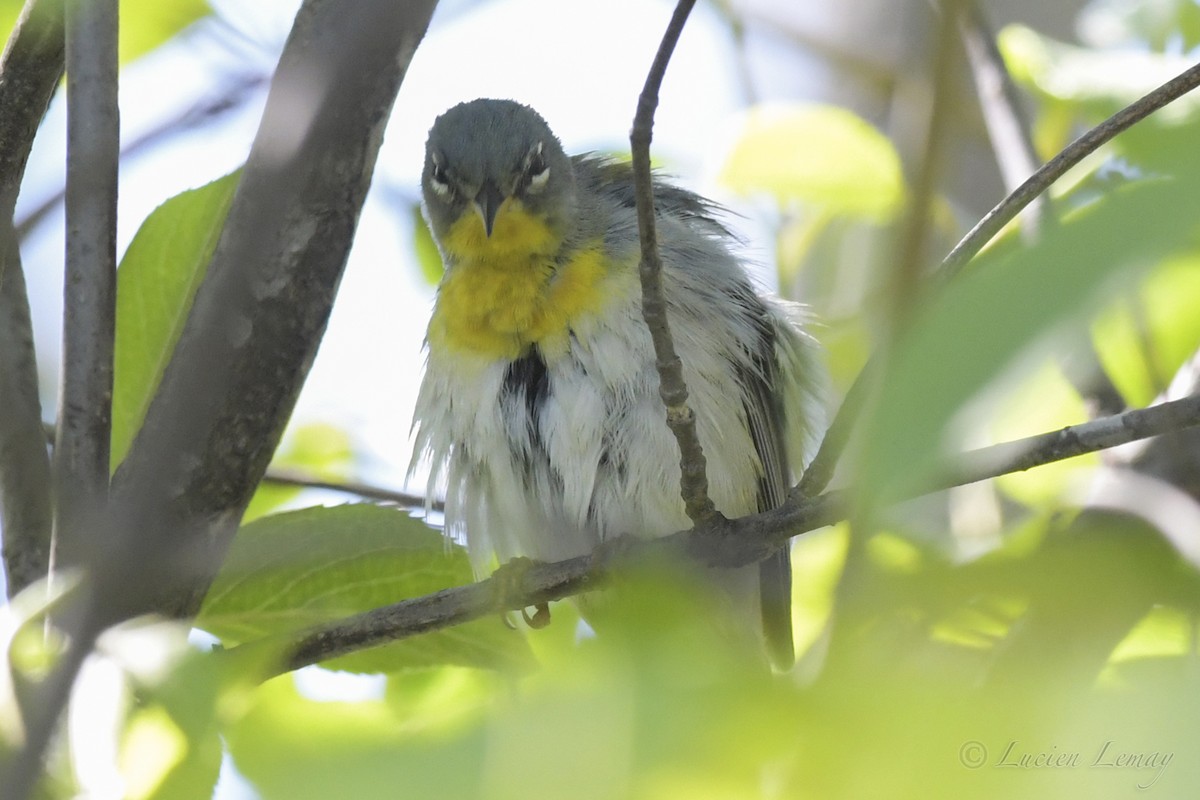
(439, 181)
(537, 170)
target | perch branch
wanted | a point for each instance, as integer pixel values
(693, 482)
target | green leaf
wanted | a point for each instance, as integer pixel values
(1149, 334)
(1097, 81)
(157, 279)
(319, 451)
(975, 329)
(428, 257)
(144, 25)
(823, 156)
(299, 749)
(291, 571)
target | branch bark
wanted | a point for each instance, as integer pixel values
(258, 317)
(738, 542)
(25, 513)
(30, 70)
(693, 483)
(84, 431)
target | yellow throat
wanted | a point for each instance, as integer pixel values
(508, 291)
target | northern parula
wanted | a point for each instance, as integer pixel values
(539, 407)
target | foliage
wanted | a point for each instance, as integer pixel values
(994, 642)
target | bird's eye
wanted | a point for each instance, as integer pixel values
(537, 171)
(439, 181)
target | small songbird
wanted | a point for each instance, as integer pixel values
(540, 409)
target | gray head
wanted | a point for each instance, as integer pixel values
(483, 152)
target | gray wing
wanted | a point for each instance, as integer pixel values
(765, 416)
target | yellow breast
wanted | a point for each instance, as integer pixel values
(508, 291)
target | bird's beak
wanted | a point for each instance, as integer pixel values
(487, 203)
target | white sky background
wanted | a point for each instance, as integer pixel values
(581, 64)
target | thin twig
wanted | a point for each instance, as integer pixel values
(202, 112)
(1003, 116)
(24, 463)
(30, 70)
(743, 541)
(817, 477)
(682, 421)
(1072, 154)
(286, 477)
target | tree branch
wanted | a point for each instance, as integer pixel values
(287, 477)
(202, 112)
(259, 315)
(30, 69)
(24, 465)
(693, 483)
(740, 542)
(84, 431)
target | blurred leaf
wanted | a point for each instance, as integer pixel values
(1044, 401)
(143, 25)
(817, 560)
(1165, 631)
(1097, 81)
(823, 156)
(429, 258)
(1106, 567)
(290, 571)
(157, 279)
(321, 451)
(146, 24)
(974, 329)
(1150, 333)
(650, 712)
(1161, 24)
(292, 748)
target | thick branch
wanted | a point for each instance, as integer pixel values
(30, 69)
(693, 482)
(24, 464)
(81, 449)
(258, 317)
(734, 543)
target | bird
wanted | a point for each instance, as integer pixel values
(539, 411)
